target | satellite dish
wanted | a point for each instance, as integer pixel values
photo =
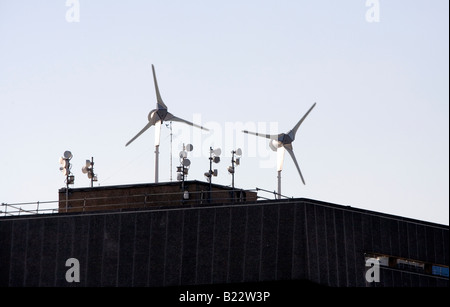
(67, 154)
(239, 152)
(189, 147)
(183, 154)
(217, 152)
(216, 159)
(186, 162)
(84, 170)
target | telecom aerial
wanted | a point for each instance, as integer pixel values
(156, 118)
(89, 170)
(280, 143)
(234, 161)
(66, 167)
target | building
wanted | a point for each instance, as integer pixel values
(233, 241)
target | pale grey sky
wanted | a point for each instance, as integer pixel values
(377, 139)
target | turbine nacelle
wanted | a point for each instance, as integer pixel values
(285, 139)
(153, 116)
(274, 145)
(162, 114)
(159, 115)
(280, 140)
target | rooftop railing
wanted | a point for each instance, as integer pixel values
(131, 201)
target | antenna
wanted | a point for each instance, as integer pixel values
(65, 168)
(183, 169)
(213, 157)
(89, 170)
(237, 161)
(155, 118)
(280, 143)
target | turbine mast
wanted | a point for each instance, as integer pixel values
(156, 163)
(157, 140)
(279, 184)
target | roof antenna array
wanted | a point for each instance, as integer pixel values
(89, 170)
(213, 157)
(183, 169)
(237, 161)
(65, 168)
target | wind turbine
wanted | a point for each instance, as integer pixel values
(282, 142)
(156, 118)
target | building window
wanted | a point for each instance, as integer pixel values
(439, 270)
(410, 265)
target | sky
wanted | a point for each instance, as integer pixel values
(76, 75)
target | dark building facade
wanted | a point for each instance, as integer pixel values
(274, 240)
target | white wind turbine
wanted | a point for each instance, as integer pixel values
(280, 143)
(156, 118)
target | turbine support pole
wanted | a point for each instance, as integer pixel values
(279, 184)
(171, 134)
(156, 162)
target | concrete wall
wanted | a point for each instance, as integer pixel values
(295, 240)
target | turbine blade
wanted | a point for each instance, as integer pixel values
(170, 117)
(160, 104)
(291, 152)
(294, 130)
(140, 132)
(267, 136)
